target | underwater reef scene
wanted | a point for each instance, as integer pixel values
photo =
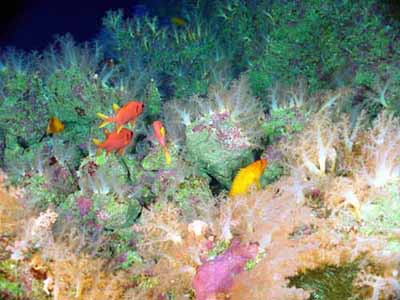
(239, 150)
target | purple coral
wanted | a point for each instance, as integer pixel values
(84, 205)
(216, 276)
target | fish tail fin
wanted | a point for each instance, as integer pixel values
(96, 142)
(98, 152)
(121, 152)
(106, 132)
(115, 107)
(167, 156)
(106, 120)
(102, 116)
(119, 128)
(258, 184)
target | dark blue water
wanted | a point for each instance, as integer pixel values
(32, 24)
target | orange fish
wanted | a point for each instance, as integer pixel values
(115, 141)
(54, 126)
(159, 132)
(123, 115)
(247, 177)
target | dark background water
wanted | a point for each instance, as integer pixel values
(32, 24)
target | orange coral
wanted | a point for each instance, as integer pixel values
(178, 248)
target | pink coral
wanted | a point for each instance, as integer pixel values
(216, 276)
(84, 205)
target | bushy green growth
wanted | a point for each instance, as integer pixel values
(198, 59)
(219, 247)
(242, 30)
(69, 81)
(175, 183)
(23, 110)
(104, 174)
(385, 91)
(253, 262)
(272, 173)
(211, 156)
(132, 257)
(41, 194)
(191, 194)
(104, 218)
(381, 217)
(153, 102)
(141, 37)
(112, 213)
(329, 45)
(155, 159)
(8, 279)
(328, 283)
(77, 86)
(190, 55)
(282, 122)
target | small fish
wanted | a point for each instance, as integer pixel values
(248, 176)
(123, 115)
(159, 132)
(178, 21)
(114, 141)
(54, 126)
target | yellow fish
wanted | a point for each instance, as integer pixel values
(246, 177)
(54, 126)
(178, 21)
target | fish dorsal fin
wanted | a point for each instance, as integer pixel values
(49, 126)
(119, 128)
(115, 107)
(96, 142)
(106, 132)
(162, 131)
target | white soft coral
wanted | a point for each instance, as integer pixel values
(314, 149)
(382, 152)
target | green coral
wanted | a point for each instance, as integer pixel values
(213, 157)
(272, 173)
(155, 160)
(282, 122)
(250, 264)
(328, 283)
(303, 42)
(381, 217)
(131, 258)
(153, 101)
(219, 247)
(191, 193)
(8, 279)
(103, 174)
(41, 194)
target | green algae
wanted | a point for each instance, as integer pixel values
(328, 283)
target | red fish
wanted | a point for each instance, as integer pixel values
(123, 115)
(159, 132)
(115, 141)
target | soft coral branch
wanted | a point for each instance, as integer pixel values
(382, 152)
